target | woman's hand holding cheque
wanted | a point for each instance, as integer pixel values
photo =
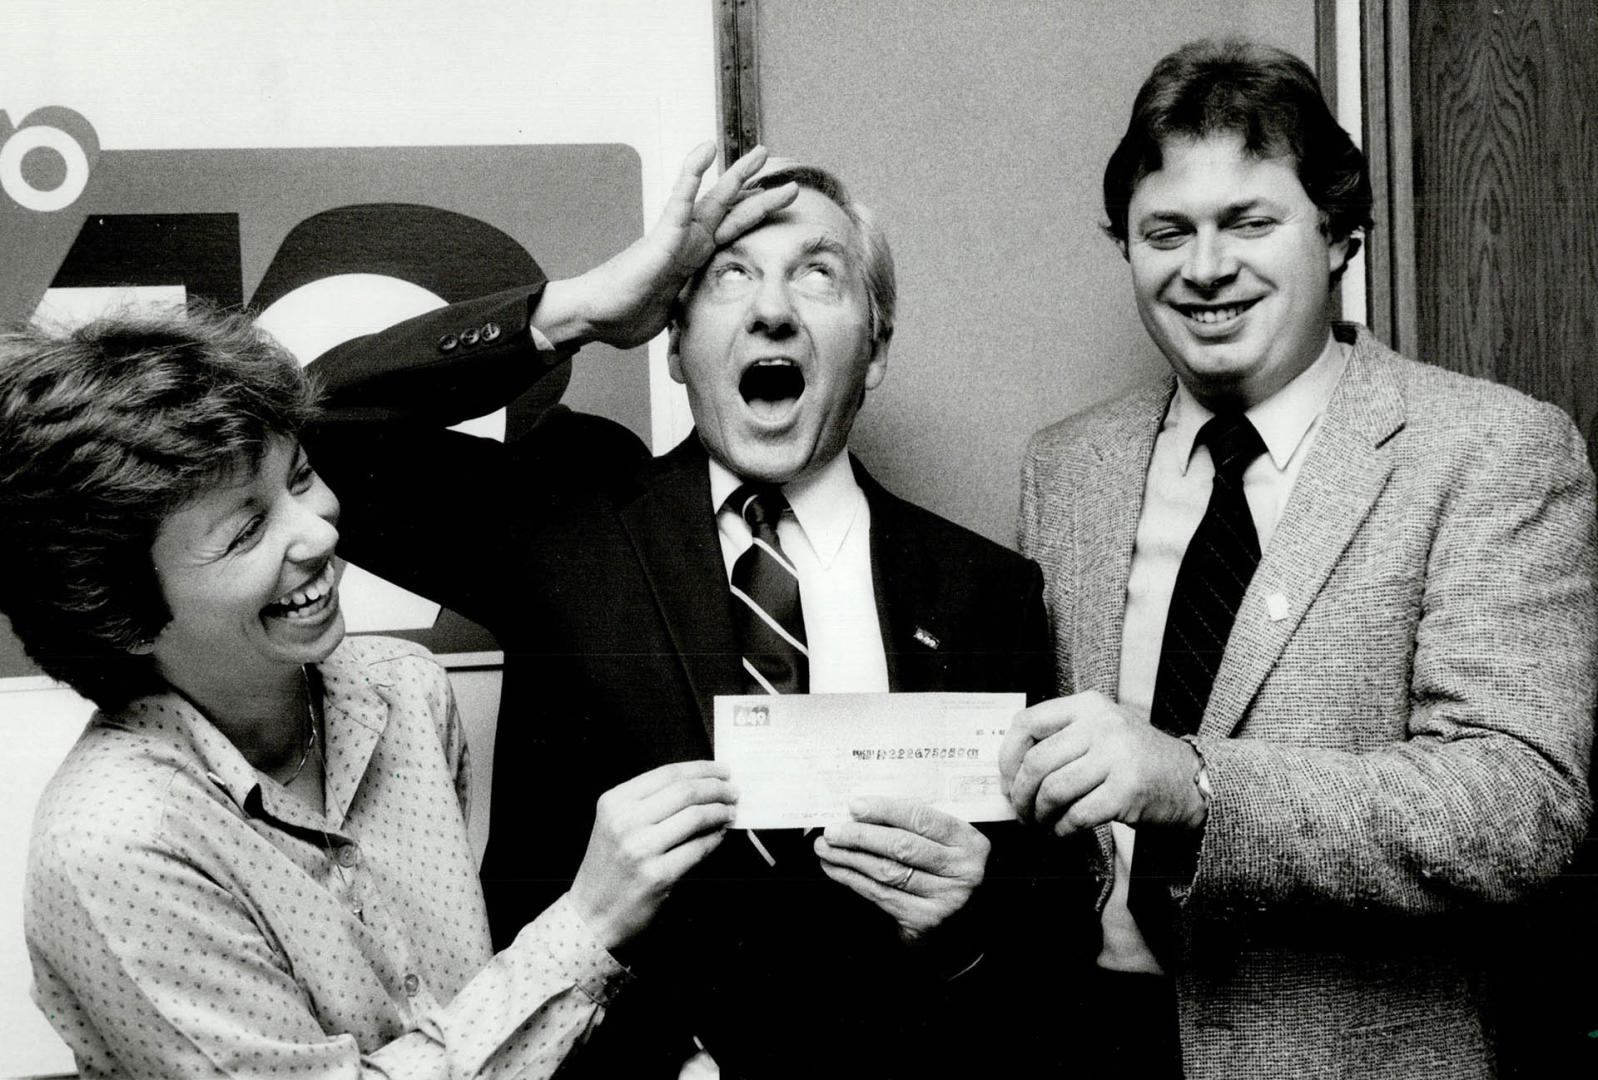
(649, 832)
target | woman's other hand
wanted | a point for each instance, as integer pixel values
(649, 832)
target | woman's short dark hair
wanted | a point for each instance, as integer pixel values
(106, 429)
(1265, 95)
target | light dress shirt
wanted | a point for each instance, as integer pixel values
(828, 540)
(1175, 496)
(186, 916)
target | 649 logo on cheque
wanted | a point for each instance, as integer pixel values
(751, 716)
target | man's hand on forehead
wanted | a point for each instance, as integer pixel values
(725, 212)
(627, 300)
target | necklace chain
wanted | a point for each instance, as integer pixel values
(352, 890)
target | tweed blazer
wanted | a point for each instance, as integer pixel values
(1402, 752)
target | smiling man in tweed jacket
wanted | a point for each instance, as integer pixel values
(1324, 620)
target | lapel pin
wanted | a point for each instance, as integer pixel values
(1276, 606)
(925, 638)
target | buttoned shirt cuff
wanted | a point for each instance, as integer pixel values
(972, 966)
(958, 945)
(572, 947)
(540, 342)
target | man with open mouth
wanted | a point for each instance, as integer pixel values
(758, 556)
(1325, 622)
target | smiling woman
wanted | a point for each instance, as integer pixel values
(262, 811)
(248, 572)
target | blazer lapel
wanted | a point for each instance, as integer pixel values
(672, 527)
(907, 609)
(1347, 467)
(1107, 507)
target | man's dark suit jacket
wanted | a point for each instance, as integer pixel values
(599, 570)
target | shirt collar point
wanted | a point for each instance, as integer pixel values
(825, 503)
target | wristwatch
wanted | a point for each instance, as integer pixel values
(1201, 778)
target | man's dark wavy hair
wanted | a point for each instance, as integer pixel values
(106, 429)
(1265, 95)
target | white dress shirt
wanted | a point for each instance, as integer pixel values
(1175, 496)
(828, 540)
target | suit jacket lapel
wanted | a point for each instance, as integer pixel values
(1107, 507)
(907, 610)
(672, 527)
(1347, 467)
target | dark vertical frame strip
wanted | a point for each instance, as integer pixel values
(1374, 60)
(737, 76)
(1326, 50)
(1401, 181)
(1326, 72)
(1389, 147)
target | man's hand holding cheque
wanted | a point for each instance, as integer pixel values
(1080, 761)
(917, 864)
(894, 779)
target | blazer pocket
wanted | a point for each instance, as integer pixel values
(1416, 1047)
(1365, 612)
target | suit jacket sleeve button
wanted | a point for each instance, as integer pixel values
(448, 342)
(468, 338)
(490, 332)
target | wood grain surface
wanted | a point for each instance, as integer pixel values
(1505, 123)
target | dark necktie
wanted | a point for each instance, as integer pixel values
(765, 587)
(1215, 572)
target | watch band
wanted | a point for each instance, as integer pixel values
(1201, 778)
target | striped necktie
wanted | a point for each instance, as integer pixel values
(1216, 569)
(765, 588)
(1215, 572)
